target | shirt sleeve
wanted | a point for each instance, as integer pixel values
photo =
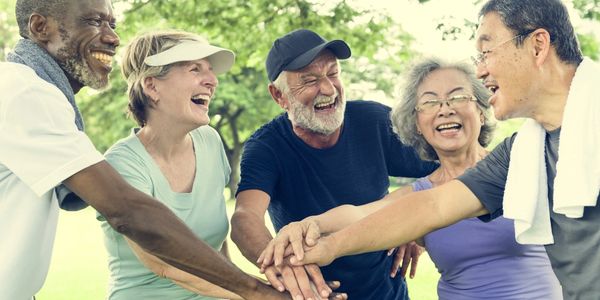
(258, 168)
(488, 178)
(40, 141)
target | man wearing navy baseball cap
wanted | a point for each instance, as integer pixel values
(321, 153)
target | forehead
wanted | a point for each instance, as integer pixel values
(491, 28)
(444, 81)
(88, 7)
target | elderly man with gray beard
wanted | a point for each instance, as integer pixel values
(321, 153)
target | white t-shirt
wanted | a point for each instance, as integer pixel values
(40, 147)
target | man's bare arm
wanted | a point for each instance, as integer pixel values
(402, 221)
(250, 234)
(156, 229)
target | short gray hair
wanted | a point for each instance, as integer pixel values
(48, 8)
(404, 115)
(281, 82)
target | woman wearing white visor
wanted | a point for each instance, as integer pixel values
(173, 156)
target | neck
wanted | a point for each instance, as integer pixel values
(454, 164)
(316, 140)
(552, 99)
(161, 142)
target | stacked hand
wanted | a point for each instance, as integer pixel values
(300, 243)
(302, 279)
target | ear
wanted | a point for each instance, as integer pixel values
(41, 28)
(277, 96)
(541, 45)
(150, 89)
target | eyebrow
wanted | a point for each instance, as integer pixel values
(456, 89)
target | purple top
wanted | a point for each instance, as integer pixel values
(480, 260)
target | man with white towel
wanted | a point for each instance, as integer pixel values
(530, 59)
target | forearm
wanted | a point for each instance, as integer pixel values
(407, 219)
(337, 218)
(179, 277)
(250, 235)
(155, 228)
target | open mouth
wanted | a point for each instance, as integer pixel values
(103, 58)
(326, 103)
(491, 87)
(448, 127)
(200, 100)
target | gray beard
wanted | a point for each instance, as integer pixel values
(306, 118)
(80, 71)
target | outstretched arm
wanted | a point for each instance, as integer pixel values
(128, 210)
(179, 277)
(307, 231)
(404, 220)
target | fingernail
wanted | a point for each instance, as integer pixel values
(324, 293)
(280, 288)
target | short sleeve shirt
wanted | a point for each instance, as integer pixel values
(574, 255)
(40, 147)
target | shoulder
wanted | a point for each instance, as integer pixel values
(21, 85)
(126, 149)
(274, 129)
(206, 133)
(368, 106)
(21, 77)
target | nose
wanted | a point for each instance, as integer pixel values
(210, 80)
(446, 110)
(481, 70)
(109, 36)
(326, 87)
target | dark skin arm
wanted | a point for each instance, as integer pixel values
(156, 229)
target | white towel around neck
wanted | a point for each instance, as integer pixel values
(577, 180)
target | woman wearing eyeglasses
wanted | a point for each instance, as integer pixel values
(445, 116)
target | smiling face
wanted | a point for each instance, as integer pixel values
(85, 43)
(315, 97)
(508, 71)
(448, 129)
(183, 95)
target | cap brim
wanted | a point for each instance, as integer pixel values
(339, 48)
(220, 59)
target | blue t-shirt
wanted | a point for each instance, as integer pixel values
(304, 181)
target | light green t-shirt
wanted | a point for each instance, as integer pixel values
(202, 210)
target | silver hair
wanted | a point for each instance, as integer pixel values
(281, 82)
(404, 115)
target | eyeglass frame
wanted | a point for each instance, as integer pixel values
(481, 57)
(447, 101)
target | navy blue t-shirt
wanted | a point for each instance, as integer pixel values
(304, 181)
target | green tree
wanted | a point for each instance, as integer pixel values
(9, 32)
(242, 102)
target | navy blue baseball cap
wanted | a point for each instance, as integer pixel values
(298, 49)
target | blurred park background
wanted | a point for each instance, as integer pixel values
(385, 37)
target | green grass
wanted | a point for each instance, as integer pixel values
(78, 270)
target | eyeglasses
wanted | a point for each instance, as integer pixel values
(454, 102)
(480, 58)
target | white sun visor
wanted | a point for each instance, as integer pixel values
(221, 59)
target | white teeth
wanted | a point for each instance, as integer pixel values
(327, 102)
(448, 126)
(200, 97)
(102, 57)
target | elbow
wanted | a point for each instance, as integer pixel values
(237, 220)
